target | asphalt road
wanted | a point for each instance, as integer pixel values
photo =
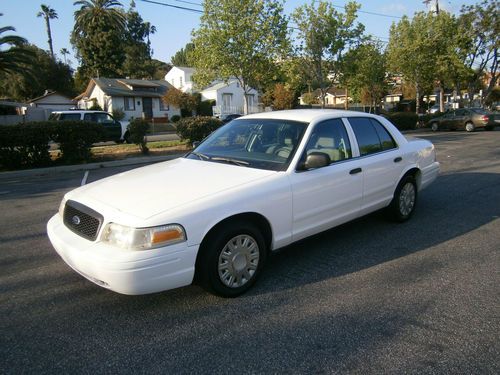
(368, 297)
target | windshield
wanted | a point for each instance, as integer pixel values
(255, 143)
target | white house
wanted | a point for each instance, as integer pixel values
(333, 97)
(138, 98)
(228, 96)
(52, 101)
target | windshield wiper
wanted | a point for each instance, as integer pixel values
(231, 161)
(200, 155)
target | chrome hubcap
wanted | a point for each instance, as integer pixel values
(469, 127)
(238, 261)
(407, 199)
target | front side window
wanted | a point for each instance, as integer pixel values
(372, 137)
(129, 103)
(69, 117)
(254, 143)
(329, 137)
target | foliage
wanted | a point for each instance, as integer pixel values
(176, 98)
(75, 139)
(412, 53)
(309, 98)
(138, 129)
(160, 68)
(97, 37)
(118, 114)
(197, 128)
(239, 39)
(44, 74)
(404, 120)
(493, 97)
(478, 40)
(363, 72)
(181, 57)
(205, 108)
(48, 14)
(323, 36)
(27, 145)
(279, 97)
(95, 106)
(14, 59)
(175, 118)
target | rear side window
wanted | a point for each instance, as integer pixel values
(69, 117)
(372, 137)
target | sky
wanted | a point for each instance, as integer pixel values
(174, 25)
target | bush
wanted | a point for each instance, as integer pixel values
(197, 128)
(205, 108)
(175, 118)
(25, 145)
(138, 129)
(118, 114)
(75, 139)
(403, 120)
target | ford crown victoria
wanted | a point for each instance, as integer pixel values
(253, 186)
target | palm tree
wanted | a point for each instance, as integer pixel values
(49, 14)
(13, 60)
(93, 11)
(64, 52)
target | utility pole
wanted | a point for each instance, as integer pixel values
(436, 2)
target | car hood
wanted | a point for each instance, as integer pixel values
(148, 191)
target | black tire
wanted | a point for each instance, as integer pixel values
(214, 271)
(434, 126)
(469, 127)
(126, 138)
(405, 199)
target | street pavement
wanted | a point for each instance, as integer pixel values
(368, 297)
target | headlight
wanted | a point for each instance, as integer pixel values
(143, 238)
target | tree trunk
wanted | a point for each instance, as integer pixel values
(417, 97)
(49, 34)
(441, 97)
(346, 102)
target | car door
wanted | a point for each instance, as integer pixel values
(112, 128)
(461, 117)
(382, 162)
(331, 195)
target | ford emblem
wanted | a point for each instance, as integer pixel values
(75, 220)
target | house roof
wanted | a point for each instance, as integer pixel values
(331, 91)
(127, 87)
(186, 69)
(47, 94)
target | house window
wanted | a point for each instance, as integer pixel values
(227, 100)
(129, 103)
(180, 81)
(163, 106)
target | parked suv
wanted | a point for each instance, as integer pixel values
(115, 130)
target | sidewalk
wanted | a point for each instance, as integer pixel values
(85, 167)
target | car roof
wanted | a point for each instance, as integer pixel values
(306, 115)
(80, 111)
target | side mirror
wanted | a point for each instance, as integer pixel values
(316, 160)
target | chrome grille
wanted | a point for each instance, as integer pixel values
(82, 220)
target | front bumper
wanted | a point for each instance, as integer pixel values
(124, 271)
(429, 174)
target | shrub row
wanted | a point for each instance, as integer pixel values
(27, 145)
(197, 128)
(410, 120)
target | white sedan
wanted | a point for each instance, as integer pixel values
(255, 185)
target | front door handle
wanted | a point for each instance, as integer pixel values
(398, 159)
(355, 171)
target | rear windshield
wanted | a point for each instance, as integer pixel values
(481, 111)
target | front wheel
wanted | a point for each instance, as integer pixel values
(126, 138)
(434, 127)
(231, 260)
(405, 198)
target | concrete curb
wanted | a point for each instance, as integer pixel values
(83, 167)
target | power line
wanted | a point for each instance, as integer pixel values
(370, 13)
(175, 6)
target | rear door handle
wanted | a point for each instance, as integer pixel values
(398, 159)
(355, 171)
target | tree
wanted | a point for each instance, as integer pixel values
(323, 36)
(181, 57)
(64, 52)
(478, 43)
(48, 14)
(14, 59)
(239, 39)
(364, 72)
(411, 52)
(98, 37)
(176, 98)
(46, 74)
(280, 97)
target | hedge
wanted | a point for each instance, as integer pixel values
(403, 120)
(27, 145)
(197, 128)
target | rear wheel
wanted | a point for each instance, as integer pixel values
(404, 201)
(126, 137)
(231, 259)
(434, 127)
(469, 127)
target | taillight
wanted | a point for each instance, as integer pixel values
(485, 118)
